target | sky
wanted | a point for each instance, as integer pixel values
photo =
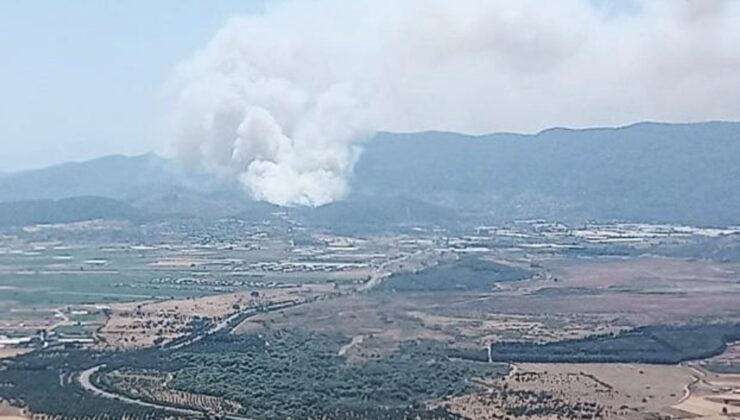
(81, 79)
(284, 94)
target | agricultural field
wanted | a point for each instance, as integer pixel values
(46, 285)
(388, 325)
(144, 324)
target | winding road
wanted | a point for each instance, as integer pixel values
(382, 272)
(84, 378)
(85, 381)
(216, 328)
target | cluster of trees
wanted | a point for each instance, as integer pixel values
(504, 400)
(41, 381)
(658, 344)
(300, 374)
(296, 374)
(527, 404)
(519, 403)
(380, 413)
(469, 273)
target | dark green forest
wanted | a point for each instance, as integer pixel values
(651, 344)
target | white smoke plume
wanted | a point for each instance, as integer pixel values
(284, 99)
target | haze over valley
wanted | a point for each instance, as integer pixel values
(370, 210)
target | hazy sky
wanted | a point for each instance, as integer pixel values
(81, 78)
(283, 93)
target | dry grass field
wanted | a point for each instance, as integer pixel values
(12, 352)
(647, 274)
(711, 396)
(8, 412)
(635, 291)
(616, 391)
(136, 325)
(383, 321)
(596, 296)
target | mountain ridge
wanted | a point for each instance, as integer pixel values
(66, 210)
(656, 172)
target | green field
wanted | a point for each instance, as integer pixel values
(88, 288)
(67, 277)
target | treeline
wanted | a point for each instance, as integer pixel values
(657, 344)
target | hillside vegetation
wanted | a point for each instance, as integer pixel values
(686, 173)
(648, 172)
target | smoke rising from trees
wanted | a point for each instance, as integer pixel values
(284, 100)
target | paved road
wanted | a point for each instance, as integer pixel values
(216, 328)
(84, 379)
(228, 323)
(382, 272)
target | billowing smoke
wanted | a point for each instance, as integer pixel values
(284, 99)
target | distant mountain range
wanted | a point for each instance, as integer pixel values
(680, 173)
(65, 210)
(687, 173)
(116, 176)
